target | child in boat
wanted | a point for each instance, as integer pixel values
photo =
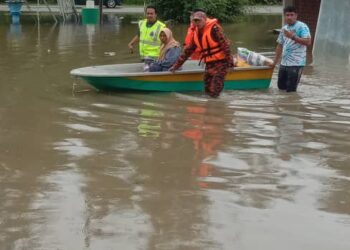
(169, 52)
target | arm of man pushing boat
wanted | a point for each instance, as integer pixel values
(188, 51)
(278, 53)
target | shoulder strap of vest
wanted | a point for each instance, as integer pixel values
(160, 25)
(141, 22)
(211, 50)
(211, 22)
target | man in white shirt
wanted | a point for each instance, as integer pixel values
(292, 45)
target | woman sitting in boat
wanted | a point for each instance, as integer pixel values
(169, 52)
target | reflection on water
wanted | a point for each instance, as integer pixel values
(15, 32)
(90, 170)
(150, 124)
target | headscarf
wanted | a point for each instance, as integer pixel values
(171, 42)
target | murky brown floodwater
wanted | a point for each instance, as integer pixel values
(86, 170)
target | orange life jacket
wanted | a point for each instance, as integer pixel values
(210, 49)
(196, 55)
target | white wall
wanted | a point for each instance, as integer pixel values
(332, 39)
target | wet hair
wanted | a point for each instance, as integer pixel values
(152, 7)
(289, 9)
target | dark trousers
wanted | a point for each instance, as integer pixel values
(214, 77)
(289, 77)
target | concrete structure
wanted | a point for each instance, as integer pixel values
(332, 46)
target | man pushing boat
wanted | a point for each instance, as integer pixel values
(215, 52)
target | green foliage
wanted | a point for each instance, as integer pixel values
(265, 2)
(126, 2)
(141, 2)
(224, 10)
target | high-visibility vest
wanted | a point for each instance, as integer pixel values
(149, 39)
(210, 48)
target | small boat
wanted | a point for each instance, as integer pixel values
(189, 78)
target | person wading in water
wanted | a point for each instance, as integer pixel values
(215, 52)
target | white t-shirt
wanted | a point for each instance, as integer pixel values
(294, 54)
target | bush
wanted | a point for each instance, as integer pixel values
(136, 2)
(269, 2)
(224, 10)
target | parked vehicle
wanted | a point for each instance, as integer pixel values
(107, 3)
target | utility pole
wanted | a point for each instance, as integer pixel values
(101, 13)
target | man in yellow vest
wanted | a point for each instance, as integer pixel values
(215, 52)
(148, 36)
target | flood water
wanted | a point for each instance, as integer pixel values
(80, 169)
